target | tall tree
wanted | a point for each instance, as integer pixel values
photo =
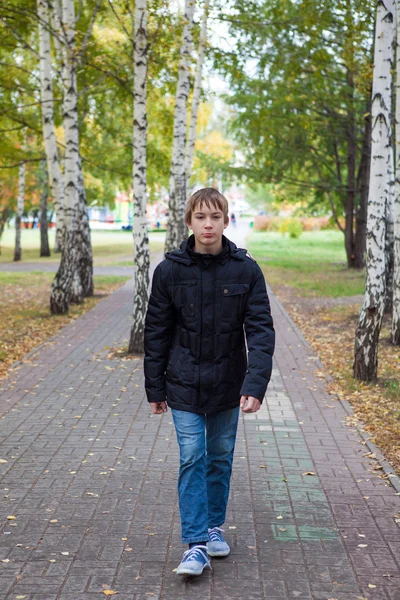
(196, 96)
(176, 228)
(47, 106)
(83, 278)
(20, 203)
(67, 280)
(370, 320)
(44, 233)
(140, 237)
(300, 88)
(395, 334)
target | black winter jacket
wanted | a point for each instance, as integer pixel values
(195, 352)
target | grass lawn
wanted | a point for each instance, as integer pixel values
(25, 320)
(314, 264)
(109, 247)
(310, 278)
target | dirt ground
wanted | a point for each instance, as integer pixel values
(329, 325)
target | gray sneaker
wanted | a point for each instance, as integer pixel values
(217, 546)
(194, 561)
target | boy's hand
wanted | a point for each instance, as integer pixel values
(249, 404)
(157, 408)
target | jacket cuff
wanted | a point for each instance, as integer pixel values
(156, 396)
(249, 390)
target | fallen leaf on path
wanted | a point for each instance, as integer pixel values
(308, 473)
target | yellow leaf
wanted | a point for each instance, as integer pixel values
(371, 585)
(109, 592)
(279, 517)
(309, 473)
(10, 518)
(54, 521)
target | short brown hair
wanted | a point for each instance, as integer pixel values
(211, 198)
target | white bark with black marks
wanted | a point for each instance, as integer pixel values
(83, 280)
(44, 234)
(20, 204)
(66, 281)
(196, 97)
(85, 260)
(47, 104)
(176, 227)
(370, 320)
(395, 333)
(140, 236)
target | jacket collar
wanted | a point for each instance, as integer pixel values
(182, 255)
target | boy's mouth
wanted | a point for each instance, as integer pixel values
(208, 234)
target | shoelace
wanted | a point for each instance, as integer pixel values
(195, 553)
(215, 534)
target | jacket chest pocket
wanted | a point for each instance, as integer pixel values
(184, 297)
(233, 300)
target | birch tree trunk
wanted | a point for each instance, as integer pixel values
(196, 97)
(363, 187)
(396, 201)
(176, 227)
(44, 236)
(50, 144)
(67, 273)
(83, 281)
(370, 320)
(4, 214)
(85, 260)
(389, 236)
(20, 205)
(140, 237)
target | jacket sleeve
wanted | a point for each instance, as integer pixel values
(159, 326)
(260, 337)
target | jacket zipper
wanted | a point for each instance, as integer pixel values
(200, 336)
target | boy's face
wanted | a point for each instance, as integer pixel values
(208, 226)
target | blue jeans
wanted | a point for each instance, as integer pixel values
(206, 445)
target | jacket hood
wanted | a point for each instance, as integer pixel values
(182, 255)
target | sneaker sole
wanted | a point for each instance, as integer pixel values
(218, 554)
(191, 573)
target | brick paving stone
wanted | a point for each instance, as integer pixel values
(83, 451)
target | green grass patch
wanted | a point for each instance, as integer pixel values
(109, 247)
(315, 263)
(35, 278)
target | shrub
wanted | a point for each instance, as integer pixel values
(266, 223)
(291, 226)
(314, 223)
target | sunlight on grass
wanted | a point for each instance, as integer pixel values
(109, 247)
(315, 263)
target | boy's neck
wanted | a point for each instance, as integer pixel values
(215, 248)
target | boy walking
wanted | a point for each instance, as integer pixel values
(204, 298)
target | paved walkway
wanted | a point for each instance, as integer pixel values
(89, 477)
